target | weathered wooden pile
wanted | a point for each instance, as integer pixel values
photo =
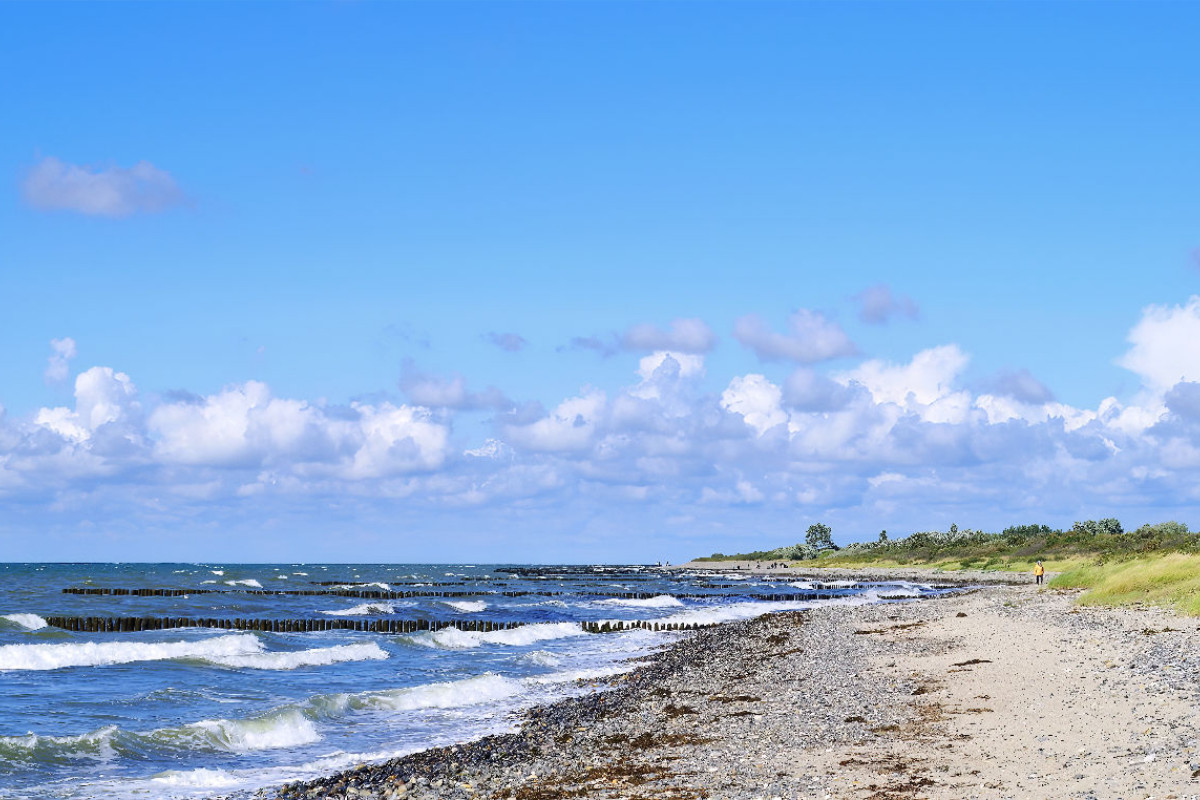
(381, 594)
(135, 624)
(374, 624)
(396, 626)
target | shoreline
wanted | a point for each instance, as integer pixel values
(966, 577)
(997, 692)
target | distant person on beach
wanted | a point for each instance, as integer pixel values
(1038, 572)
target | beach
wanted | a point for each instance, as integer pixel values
(180, 681)
(1006, 691)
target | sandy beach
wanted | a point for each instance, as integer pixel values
(1007, 691)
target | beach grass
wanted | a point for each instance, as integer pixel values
(1156, 564)
(1168, 581)
(989, 563)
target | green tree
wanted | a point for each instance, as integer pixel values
(883, 535)
(819, 536)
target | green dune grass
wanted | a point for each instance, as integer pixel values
(1169, 581)
(1157, 564)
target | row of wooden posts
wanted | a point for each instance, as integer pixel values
(379, 594)
(617, 625)
(136, 624)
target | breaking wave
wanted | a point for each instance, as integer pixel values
(366, 609)
(30, 622)
(319, 657)
(454, 639)
(92, 654)
(661, 601)
(466, 606)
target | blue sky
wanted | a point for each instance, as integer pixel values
(590, 281)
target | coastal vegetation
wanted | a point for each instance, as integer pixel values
(1155, 564)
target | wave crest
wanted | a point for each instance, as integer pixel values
(466, 606)
(289, 728)
(454, 639)
(96, 654)
(660, 601)
(319, 657)
(366, 609)
(30, 622)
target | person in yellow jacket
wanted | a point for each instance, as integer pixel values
(1038, 572)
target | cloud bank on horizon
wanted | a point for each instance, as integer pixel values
(861, 443)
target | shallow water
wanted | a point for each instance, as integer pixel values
(187, 712)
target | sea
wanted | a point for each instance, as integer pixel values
(167, 710)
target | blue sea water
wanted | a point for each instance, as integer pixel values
(193, 712)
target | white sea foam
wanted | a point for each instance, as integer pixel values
(661, 601)
(285, 727)
(95, 744)
(543, 658)
(896, 592)
(319, 657)
(93, 654)
(486, 688)
(466, 606)
(343, 586)
(570, 676)
(180, 784)
(196, 779)
(732, 612)
(363, 610)
(30, 621)
(247, 582)
(288, 728)
(454, 639)
(218, 572)
(803, 585)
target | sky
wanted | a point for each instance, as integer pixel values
(591, 281)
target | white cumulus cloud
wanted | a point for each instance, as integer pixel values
(102, 396)
(1165, 345)
(684, 336)
(570, 426)
(928, 378)
(54, 185)
(878, 305)
(811, 338)
(58, 366)
(757, 400)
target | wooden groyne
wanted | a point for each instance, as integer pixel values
(137, 624)
(380, 594)
(618, 625)
(394, 626)
(369, 594)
